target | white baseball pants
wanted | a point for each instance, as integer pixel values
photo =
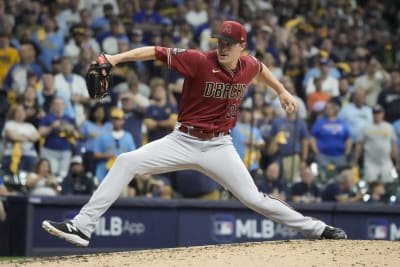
(216, 158)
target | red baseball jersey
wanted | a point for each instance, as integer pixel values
(211, 94)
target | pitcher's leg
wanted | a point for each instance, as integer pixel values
(226, 167)
(163, 155)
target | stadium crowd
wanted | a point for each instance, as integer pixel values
(340, 58)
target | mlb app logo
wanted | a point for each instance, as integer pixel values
(223, 228)
(378, 228)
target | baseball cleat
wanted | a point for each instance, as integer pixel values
(66, 231)
(333, 233)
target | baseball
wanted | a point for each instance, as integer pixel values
(289, 108)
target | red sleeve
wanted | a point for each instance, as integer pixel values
(257, 64)
(184, 61)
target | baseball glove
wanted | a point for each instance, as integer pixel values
(98, 77)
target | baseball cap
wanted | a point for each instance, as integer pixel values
(232, 32)
(266, 28)
(377, 109)
(76, 160)
(117, 113)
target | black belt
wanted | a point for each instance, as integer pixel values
(202, 134)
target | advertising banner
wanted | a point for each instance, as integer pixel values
(132, 224)
(118, 228)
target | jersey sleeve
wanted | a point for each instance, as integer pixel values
(183, 61)
(255, 64)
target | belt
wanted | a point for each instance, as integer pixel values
(201, 134)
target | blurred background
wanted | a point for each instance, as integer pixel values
(340, 59)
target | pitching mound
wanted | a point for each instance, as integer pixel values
(283, 253)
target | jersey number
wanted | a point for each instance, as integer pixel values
(231, 112)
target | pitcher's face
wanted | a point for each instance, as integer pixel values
(228, 53)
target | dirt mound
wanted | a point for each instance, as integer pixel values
(282, 253)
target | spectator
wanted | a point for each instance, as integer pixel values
(321, 63)
(264, 42)
(74, 87)
(31, 106)
(294, 67)
(86, 17)
(378, 143)
(86, 56)
(289, 145)
(206, 41)
(161, 115)
(102, 23)
(356, 68)
(80, 38)
(41, 181)
(96, 7)
(136, 40)
(255, 101)
(50, 39)
(318, 98)
(148, 20)
(49, 93)
(112, 143)
(17, 76)
(310, 50)
(390, 98)
(90, 130)
(306, 191)
(71, 14)
(134, 109)
(344, 92)
(5, 15)
(377, 192)
(60, 134)
(132, 83)
(330, 142)
(341, 49)
(109, 39)
(264, 124)
(329, 83)
(194, 184)
(19, 142)
(127, 8)
(3, 193)
(341, 189)
(77, 182)
(372, 81)
(8, 55)
(356, 114)
(273, 184)
(136, 37)
(247, 140)
(29, 22)
(196, 13)
(147, 185)
(272, 65)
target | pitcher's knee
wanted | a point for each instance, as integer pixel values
(126, 160)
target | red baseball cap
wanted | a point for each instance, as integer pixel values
(232, 32)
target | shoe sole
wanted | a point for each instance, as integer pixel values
(337, 237)
(71, 238)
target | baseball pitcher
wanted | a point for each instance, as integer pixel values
(215, 83)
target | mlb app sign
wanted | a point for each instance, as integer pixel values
(227, 228)
(382, 229)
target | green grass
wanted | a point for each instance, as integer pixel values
(11, 258)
